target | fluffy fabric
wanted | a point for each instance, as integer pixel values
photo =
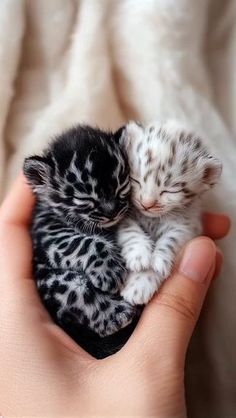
(105, 62)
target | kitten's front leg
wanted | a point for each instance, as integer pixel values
(167, 248)
(136, 246)
(140, 287)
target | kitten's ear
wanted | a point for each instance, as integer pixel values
(130, 133)
(36, 170)
(212, 170)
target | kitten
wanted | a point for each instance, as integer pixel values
(82, 189)
(170, 169)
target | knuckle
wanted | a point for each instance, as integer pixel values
(179, 304)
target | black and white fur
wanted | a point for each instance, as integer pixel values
(82, 188)
(170, 169)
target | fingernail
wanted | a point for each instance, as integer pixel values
(198, 258)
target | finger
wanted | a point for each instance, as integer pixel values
(215, 226)
(168, 321)
(20, 294)
(15, 241)
(18, 205)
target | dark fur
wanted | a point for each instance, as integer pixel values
(81, 180)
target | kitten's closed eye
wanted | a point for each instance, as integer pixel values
(83, 202)
(171, 191)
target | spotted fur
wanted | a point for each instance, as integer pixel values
(170, 169)
(82, 188)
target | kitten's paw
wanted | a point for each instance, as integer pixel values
(138, 258)
(109, 281)
(140, 287)
(120, 315)
(108, 275)
(161, 265)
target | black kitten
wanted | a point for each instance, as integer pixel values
(82, 189)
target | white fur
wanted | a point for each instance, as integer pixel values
(137, 257)
(140, 287)
(172, 167)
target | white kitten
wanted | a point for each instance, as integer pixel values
(170, 169)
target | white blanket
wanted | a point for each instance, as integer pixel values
(106, 61)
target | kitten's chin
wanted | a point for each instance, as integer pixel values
(108, 224)
(115, 221)
(154, 214)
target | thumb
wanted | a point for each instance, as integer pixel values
(168, 321)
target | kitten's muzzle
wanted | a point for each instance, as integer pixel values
(149, 208)
(109, 209)
(114, 219)
(113, 211)
(150, 205)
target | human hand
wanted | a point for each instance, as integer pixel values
(44, 373)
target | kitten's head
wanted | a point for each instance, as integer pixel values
(83, 176)
(169, 167)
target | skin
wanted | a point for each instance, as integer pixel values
(44, 373)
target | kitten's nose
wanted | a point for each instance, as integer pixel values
(109, 209)
(148, 204)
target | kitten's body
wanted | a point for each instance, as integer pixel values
(82, 190)
(170, 170)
